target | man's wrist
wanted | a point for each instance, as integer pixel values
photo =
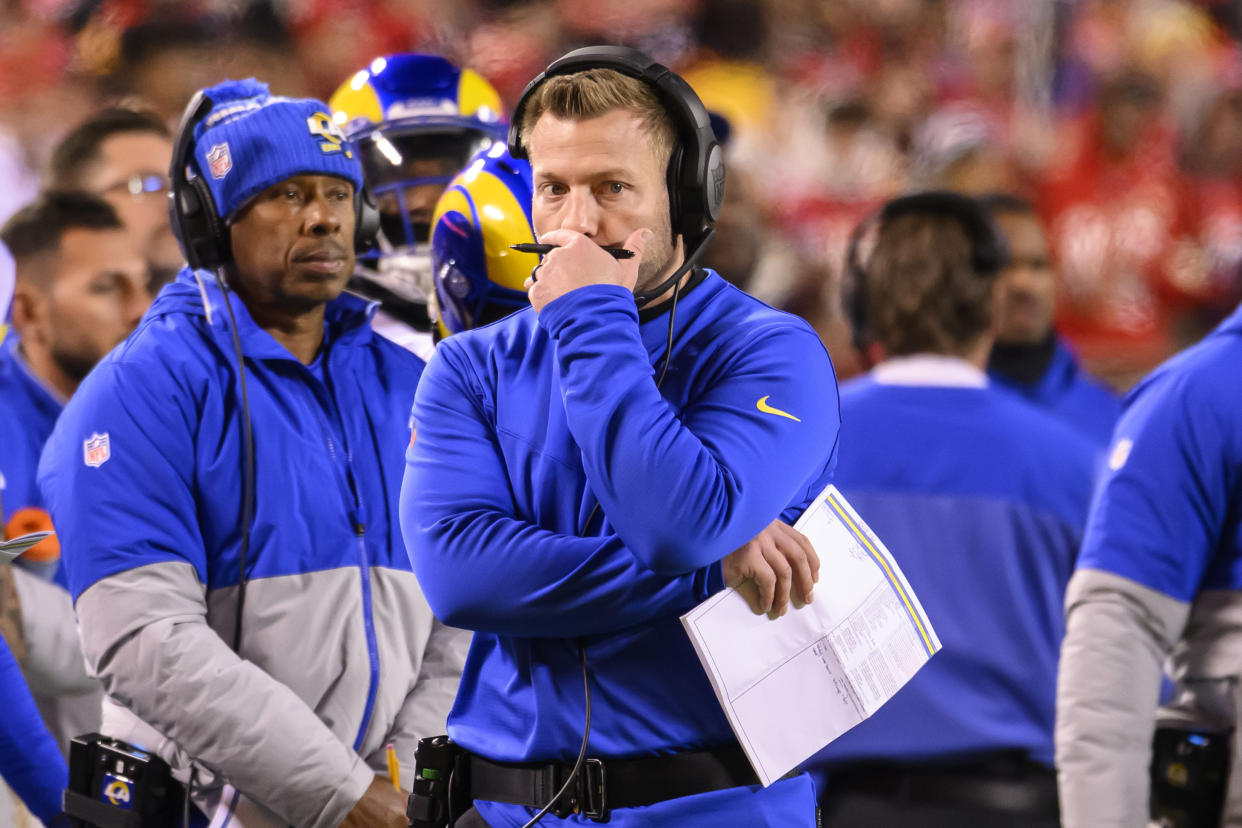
(346, 795)
(591, 304)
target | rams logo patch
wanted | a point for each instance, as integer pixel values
(322, 126)
(117, 792)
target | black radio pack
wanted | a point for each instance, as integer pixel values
(115, 785)
(1189, 776)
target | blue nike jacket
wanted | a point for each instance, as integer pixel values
(143, 475)
(522, 427)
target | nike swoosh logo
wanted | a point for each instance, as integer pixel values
(763, 406)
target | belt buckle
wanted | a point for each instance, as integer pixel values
(593, 791)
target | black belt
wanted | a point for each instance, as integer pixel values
(1018, 787)
(604, 784)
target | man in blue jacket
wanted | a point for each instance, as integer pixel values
(192, 497)
(1159, 581)
(80, 290)
(590, 468)
(981, 498)
(1028, 356)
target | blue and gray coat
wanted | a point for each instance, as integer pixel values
(340, 653)
(1159, 580)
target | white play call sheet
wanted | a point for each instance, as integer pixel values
(790, 686)
(11, 549)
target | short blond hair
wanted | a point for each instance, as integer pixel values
(596, 92)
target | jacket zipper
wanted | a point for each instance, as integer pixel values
(350, 488)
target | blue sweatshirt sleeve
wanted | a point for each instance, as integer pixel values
(30, 761)
(483, 567)
(135, 506)
(684, 489)
(1171, 483)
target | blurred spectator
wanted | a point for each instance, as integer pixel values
(80, 290)
(1028, 356)
(1210, 268)
(513, 45)
(1114, 213)
(122, 155)
(957, 148)
(169, 56)
(983, 526)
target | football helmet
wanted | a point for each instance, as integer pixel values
(478, 278)
(416, 120)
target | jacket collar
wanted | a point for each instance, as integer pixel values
(347, 318)
(929, 370)
(14, 365)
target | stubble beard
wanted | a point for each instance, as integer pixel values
(656, 260)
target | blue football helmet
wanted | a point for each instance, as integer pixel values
(416, 120)
(478, 278)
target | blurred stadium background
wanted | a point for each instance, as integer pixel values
(1120, 119)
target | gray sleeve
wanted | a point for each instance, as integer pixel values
(1117, 633)
(426, 708)
(145, 634)
(53, 665)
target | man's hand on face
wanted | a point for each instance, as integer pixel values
(382, 805)
(777, 566)
(577, 261)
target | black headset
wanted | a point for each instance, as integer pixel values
(203, 235)
(989, 252)
(696, 172)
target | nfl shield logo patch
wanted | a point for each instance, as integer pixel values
(220, 160)
(96, 450)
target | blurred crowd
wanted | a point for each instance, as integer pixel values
(1121, 120)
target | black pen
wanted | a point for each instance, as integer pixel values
(541, 249)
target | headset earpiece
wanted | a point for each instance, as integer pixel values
(191, 208)
(696, 172)
(366, 220)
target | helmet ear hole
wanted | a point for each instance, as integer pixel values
(696, 174)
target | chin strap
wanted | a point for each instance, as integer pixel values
(658, 291)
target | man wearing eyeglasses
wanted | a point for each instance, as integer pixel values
(121, 155)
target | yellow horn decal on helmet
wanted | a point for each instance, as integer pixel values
(502, 220)
(355, 104)
(504, 223)
(477, 97)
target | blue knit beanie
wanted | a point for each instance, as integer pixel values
(252, 140)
